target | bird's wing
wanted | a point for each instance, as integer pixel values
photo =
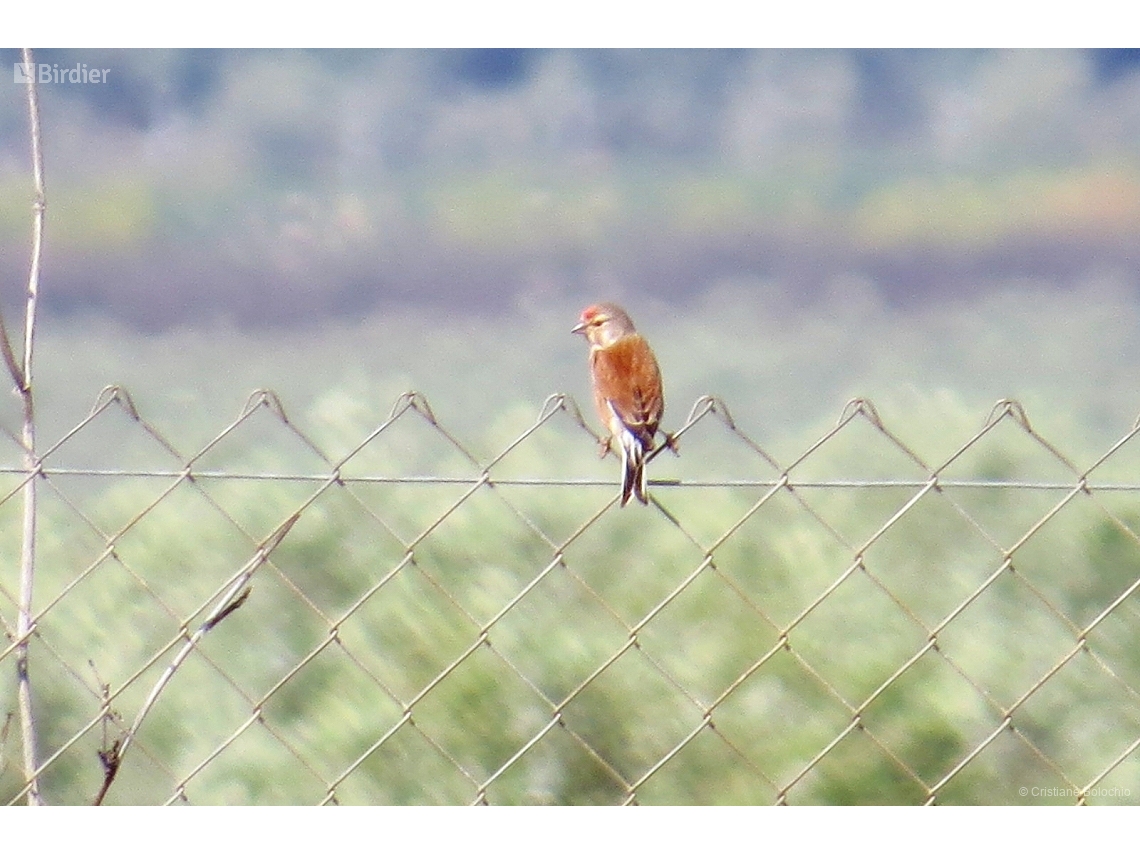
(627, 381)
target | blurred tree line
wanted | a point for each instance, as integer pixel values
(282, 186)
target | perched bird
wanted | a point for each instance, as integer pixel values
(627, 390)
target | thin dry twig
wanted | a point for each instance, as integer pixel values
(22, 377)
(109, 755)
(229, 602)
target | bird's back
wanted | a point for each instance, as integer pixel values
(627, 378)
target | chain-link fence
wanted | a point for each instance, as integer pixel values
(409, 620)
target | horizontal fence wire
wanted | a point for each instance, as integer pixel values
(408, 620)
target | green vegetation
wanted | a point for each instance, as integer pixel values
(400, 622)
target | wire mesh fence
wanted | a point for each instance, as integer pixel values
(408, 620)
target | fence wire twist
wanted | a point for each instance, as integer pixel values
(213, 631)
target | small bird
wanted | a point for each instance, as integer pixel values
(627, 390)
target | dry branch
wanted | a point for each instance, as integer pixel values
(22, 377)
(233, 598)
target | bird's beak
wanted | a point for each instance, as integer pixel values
(581, 328)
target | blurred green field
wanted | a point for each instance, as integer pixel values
(1068, 351)
(701, 626)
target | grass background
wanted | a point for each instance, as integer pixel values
(785, 383)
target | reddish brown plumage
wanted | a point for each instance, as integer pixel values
(626, 377)
(627, 389)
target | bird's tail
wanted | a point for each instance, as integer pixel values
(633, 468)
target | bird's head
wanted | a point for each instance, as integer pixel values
(603, 323)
